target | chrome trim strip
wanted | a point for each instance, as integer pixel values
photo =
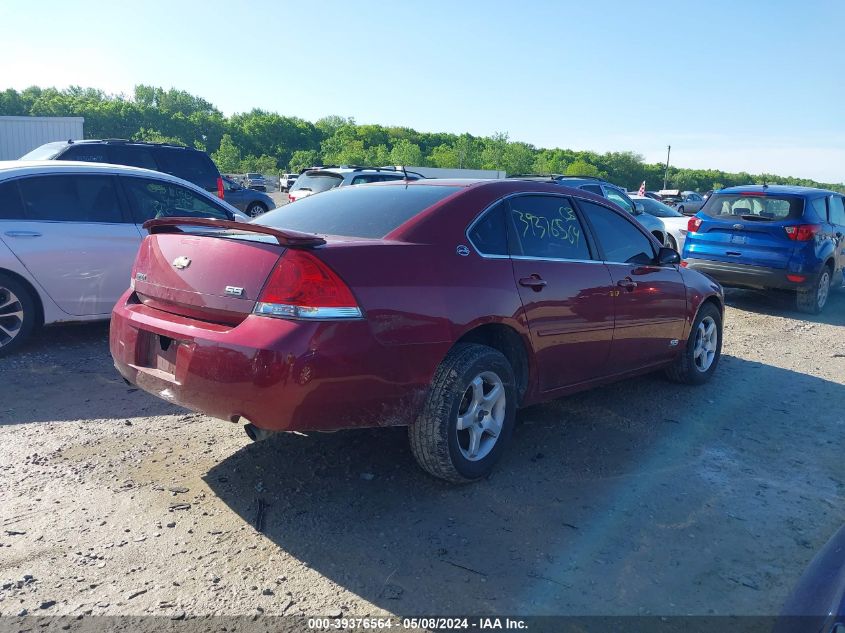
(556, 259)
(285, 311)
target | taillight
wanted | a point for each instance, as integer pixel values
(291, 198)
(303, 287)
(693, 224)
(802, 232)
(220, 193)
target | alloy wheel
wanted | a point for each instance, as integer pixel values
(706, 344)
(481, 415)
(824, 289)
(11, 316)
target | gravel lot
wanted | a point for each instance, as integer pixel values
(643, 497)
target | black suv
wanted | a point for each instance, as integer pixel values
(183, 162)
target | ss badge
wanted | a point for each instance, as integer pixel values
(234, 291)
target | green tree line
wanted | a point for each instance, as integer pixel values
(269, 142)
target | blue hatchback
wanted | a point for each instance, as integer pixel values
(771, 236)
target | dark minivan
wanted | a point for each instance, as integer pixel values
(183, 162)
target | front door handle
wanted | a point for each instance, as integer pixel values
(22, 234)
(535, 282)
(627, 283)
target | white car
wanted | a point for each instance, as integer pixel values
(674, 223)
(69, 233)
(322, 179)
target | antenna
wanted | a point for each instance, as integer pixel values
(404, 172)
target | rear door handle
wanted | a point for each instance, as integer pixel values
(535, 282)
(627, 283)
(22, 234)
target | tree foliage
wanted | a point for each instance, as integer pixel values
(266, 141)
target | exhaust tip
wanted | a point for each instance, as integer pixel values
(256, 434)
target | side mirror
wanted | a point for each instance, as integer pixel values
(639, 209)
(668, 257)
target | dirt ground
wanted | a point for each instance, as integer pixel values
(643, 497)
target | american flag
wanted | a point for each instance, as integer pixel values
(641, 192)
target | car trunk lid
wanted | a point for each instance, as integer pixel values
(210, 270)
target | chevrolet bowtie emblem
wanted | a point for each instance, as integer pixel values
(181, 262)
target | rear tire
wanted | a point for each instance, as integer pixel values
(696, 364)
(468, 416)
(255, 209)
(812, 300)
(18, 314)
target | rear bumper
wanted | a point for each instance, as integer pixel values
(746, 276)
(280, 375)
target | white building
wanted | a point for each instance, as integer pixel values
(21, 134)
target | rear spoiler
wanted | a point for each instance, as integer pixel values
(292, 239)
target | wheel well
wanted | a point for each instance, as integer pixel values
(35, 296)
(506, 340)
(715, 302)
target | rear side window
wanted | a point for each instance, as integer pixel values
(488, 235)
(133, 155)
(547, 227)
(86, 152)
(80, 198)
(837, 210)
(368, 212)
(187, 164)
(11, 207)
(754, 207)
(620, 241)
(159, 199)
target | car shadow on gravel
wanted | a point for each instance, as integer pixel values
(55, 359)
(640, 495)
(775, 303)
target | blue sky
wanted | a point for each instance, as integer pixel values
(742, 85)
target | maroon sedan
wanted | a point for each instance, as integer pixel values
(440, 305)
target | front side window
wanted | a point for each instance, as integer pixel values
(547, 227)
(160, 199)
(79, 198)
(362, 180)
(620, 240)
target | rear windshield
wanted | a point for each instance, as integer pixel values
(318, 182)
(754, 207)
(44, 152)
(658, 209)
(365, 211)
(254, 176)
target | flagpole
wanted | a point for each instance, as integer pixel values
(666, 173)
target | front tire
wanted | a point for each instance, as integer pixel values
(256, 209)
(468, 416)
(18, 314)
(696, 364)
(812, 300)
